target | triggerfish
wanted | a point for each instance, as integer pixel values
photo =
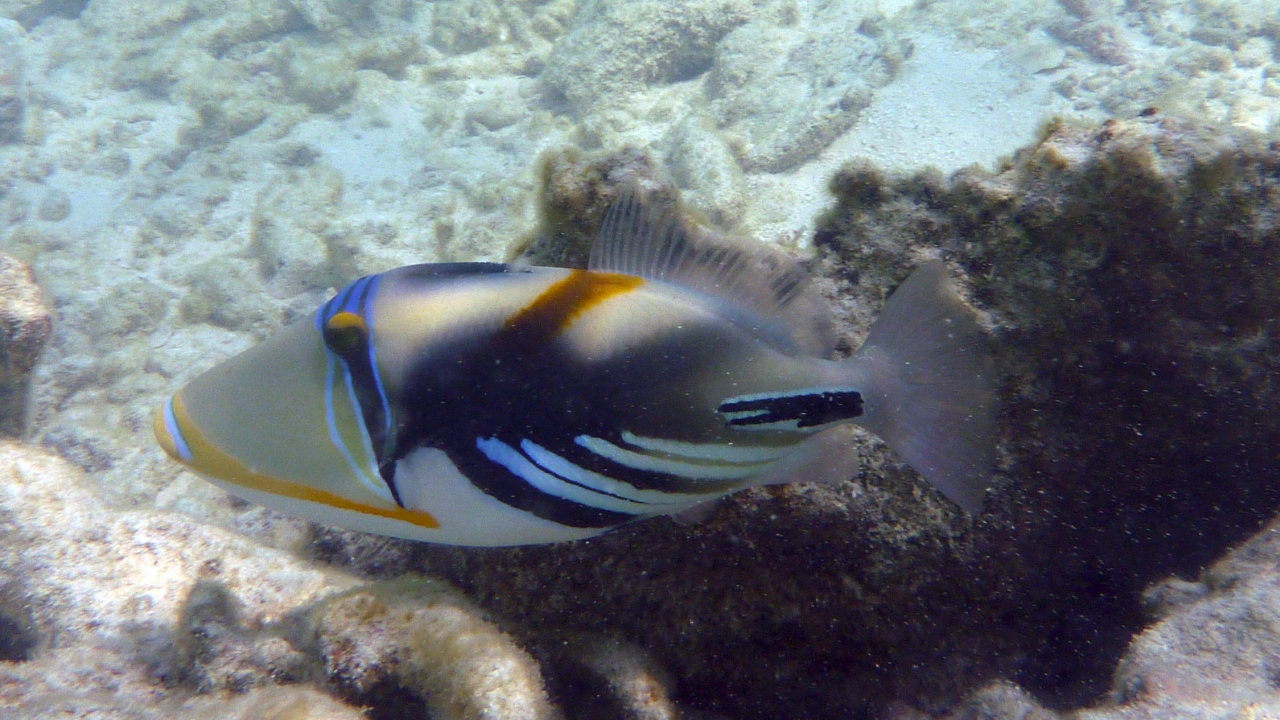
(505, 404)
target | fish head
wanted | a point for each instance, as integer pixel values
(292, 424)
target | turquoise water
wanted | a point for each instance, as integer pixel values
(185, 177)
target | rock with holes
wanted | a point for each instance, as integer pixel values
(131, 602)
(420, 635)
(137, 614)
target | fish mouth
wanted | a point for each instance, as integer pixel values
(177, 435)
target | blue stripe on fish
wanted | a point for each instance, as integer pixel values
(344, 324)
(729, 453)
(579, 475)
(501, 472)
(519, 464)
(175, 432)
(368, 475)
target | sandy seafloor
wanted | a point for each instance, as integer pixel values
(186, 176)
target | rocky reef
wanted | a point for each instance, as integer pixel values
(1123, 271)
(115, 613)
(184, 177)
(1127, 270)
(1208, 653)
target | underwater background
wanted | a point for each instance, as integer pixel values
(178, 179)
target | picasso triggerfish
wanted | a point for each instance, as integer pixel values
(501, 404)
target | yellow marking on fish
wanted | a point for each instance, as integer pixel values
(346, 321)
(208, 459)
(345, 332)
(557, 306)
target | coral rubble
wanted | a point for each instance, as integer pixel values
(137, 614)
(421, 635)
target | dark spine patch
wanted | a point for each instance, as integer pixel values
(807, 409)
(435, 272)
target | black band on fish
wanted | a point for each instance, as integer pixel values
(388, 472)
(508, 415)
(512, 485)
(797, 410)
(343, 327)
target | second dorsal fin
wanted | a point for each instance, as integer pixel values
(761, 283)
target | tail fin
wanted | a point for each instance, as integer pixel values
(929, 386)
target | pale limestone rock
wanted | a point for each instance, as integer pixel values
(136, 614)
(619, 47)
(785, 93)
(429, 639)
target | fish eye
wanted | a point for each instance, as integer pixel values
(345, 332)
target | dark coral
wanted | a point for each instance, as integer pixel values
(1128, 274)
(1131, 269)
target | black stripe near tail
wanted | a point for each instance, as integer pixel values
(797, 409)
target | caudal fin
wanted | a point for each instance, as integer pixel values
(929, 388)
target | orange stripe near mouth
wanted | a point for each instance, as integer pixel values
(209, 459)
(557, 306)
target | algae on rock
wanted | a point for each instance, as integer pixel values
(1125, 267)
(577, 189)
(1123, 270)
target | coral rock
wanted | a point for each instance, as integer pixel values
(1122, 269)
(419, 634)
(621, 46)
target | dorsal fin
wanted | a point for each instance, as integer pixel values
(761, 283)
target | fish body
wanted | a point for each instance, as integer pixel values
(491, 404)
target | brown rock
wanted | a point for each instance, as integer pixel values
(1126, 272)
(24, 329)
